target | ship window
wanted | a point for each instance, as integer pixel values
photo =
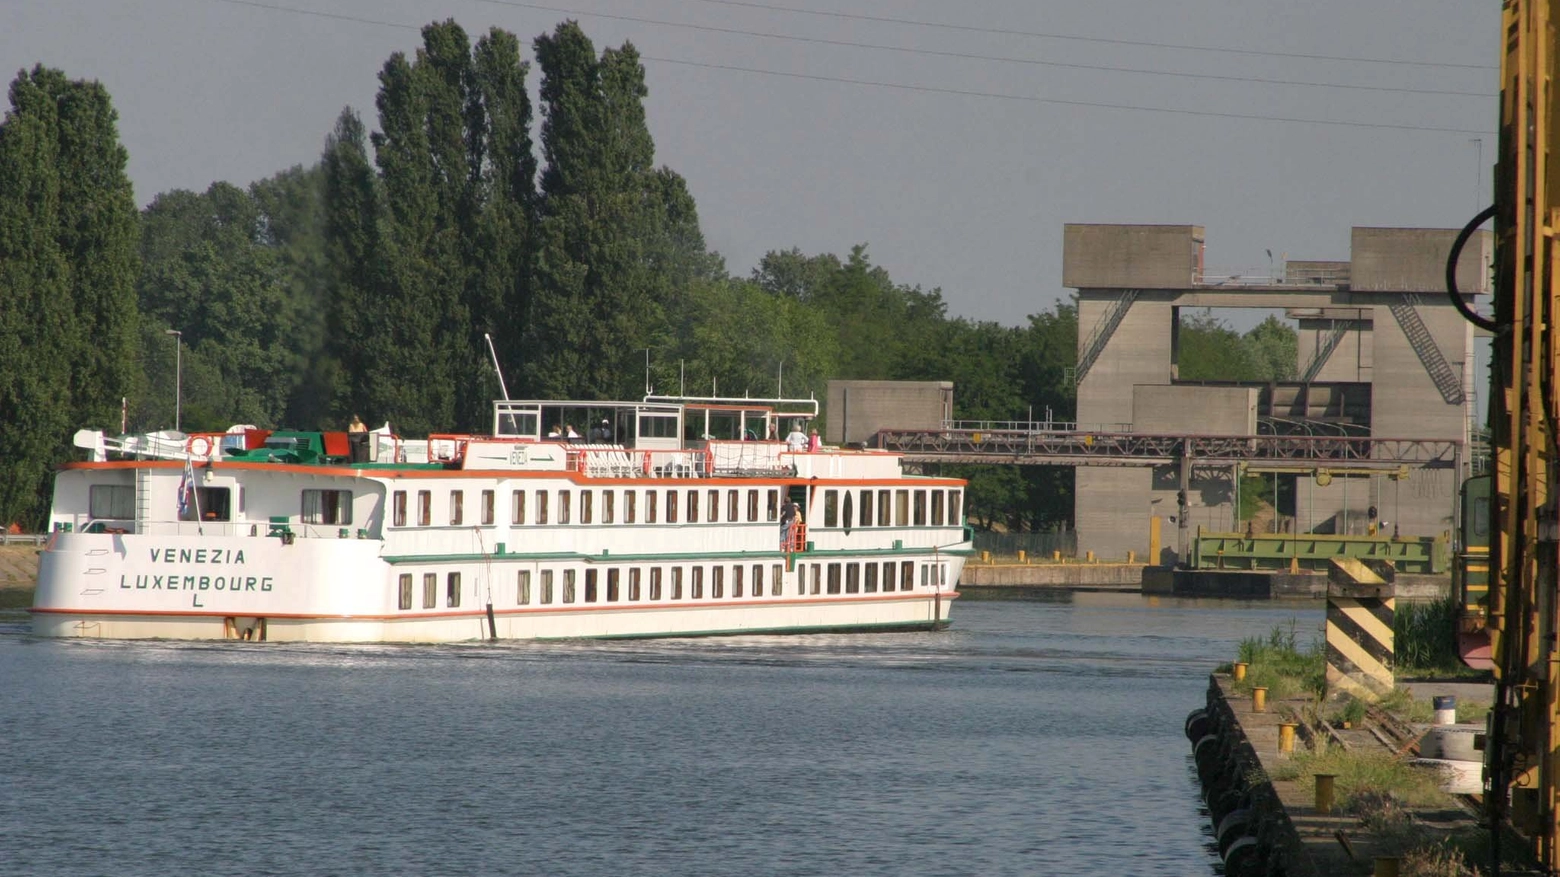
(926, 579)
(714, 507)
(752, 506)
(430, 590)
(517, 507)
(831, 508)
(758, 580)
(671, 506)
(563, 506)
(883, 509)
(650, 499)
(612, 585)
(866, 508)
(717, 582)
(424, 508)
(319, 507)
(628, 506)
(870, 585)
(906, 576)
(834, 578)
(568, 586)
(733, 506)
(113, 502)
(817, 577)
(547, 577)
(523, 587)
(937, 508)
(920, 508)
(633, 584)
(736, 581)
(693, 506)
(677, 583)
(541, 506)
(696, 583)
(587, 500)
(216, 504)
(901, 508)
(406, 590)
(452, 590)
(655, 583)
(487, 508)
(954, 509)
(398, 508)
(774, 506)
(852, 578)
(777, 578)
(888, 576)
(590, 586)
(942, 574)
(457, 507)
(608, 510)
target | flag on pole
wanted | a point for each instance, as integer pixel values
(186, 486)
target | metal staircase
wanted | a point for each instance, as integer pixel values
(1329, 344)
(1446, 380)
(1105, 328)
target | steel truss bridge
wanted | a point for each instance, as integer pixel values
(1050, 447)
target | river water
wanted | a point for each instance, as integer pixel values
(1039, 737)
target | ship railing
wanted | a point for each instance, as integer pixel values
(221, 528)
(748, 458)
(615, 461)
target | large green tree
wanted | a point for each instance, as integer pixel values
(67, 269)
(618, 240)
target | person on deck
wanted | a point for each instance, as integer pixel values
(814, 443)
(357, 425)
(796, 439)
(602, 434)
(556, 432)
(570, 434)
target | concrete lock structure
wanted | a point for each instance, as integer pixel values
(1383, 354)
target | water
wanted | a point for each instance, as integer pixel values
(1031, 738)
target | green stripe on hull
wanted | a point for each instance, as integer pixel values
(668, 558)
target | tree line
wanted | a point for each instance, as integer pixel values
(369, 282)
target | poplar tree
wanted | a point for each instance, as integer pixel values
(67, 271)
(618, 239)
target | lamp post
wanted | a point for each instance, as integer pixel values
(178, 374)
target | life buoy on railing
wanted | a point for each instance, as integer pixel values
(647, 462)
(201, 450)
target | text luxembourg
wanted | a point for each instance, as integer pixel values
(205, 556)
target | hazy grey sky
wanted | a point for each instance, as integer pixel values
(949, 187)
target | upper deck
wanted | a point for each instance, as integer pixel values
(655, 438)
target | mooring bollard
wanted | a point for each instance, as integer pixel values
(1240, 671)
(1131, 557)
(1324, 793)
(1258, 699)
(1386, 866)
(985, 557)
(1056, 556)
(1088, 556)
(1286, 738)
(1023, 556)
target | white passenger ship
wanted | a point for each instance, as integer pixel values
(668, 521)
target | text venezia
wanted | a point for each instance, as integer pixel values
(229, 579)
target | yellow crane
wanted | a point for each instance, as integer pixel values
(1523, 764)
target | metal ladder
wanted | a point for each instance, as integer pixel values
(1425, 348)
(1329, 344)
(143, 498)
(1105, 328)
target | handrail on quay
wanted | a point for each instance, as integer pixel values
(1079, 447)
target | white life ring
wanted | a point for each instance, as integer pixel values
(204, 449)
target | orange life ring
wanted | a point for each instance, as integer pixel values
(647, 462)
(205, 450)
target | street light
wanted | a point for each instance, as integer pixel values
(178, 374)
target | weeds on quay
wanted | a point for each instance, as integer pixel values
(1277, 663)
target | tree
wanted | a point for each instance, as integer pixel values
(67, 265)
(1271, 347)
(618, 240)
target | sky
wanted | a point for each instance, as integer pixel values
(953, 139)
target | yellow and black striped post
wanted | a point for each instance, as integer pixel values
(1360, 603)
